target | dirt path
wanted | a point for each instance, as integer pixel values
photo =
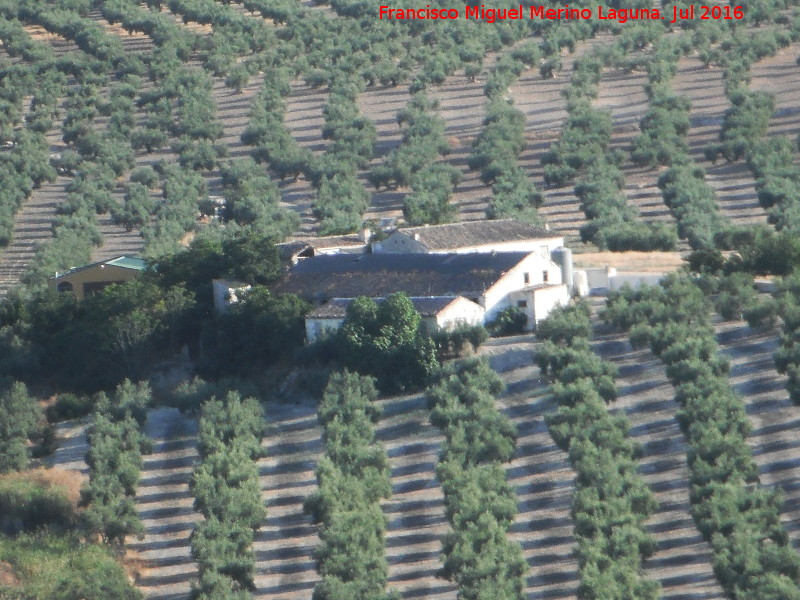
(285, 566)
(381, 104)
(164, 504)
(540, 473)
(415, 512)
(775, 420)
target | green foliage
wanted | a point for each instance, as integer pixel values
(664, 129)
(613, 223)
(114, 458)
(353, 477)
(20, 415)
(583, 143)
(259, 329)
(54, 566)
(384, 340)
(744, 123)
(29, 504)
(612, 502)
(459, 341)
(228, 494)
(693, 203)
(495, 154)
(252, 198)
(480, 504)
(740, 520)
(509, 321)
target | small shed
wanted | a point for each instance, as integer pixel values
(92, 278)
(537, 301)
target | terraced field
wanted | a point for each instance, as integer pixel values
(539, 473)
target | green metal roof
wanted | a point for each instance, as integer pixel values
(123, 262)
(128, 262)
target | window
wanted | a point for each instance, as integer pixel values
(526, 277)
(545, 276)
(522, 303)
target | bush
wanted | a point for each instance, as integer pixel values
(457, 342)
(20, 416)
(509, 321)
(30, 504)
(69, 406)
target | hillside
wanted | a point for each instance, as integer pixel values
(230, 105)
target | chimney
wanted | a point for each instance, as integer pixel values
(365, 235)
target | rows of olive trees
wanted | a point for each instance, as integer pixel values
(227, 492)
(611, 503)
(353, 477)
(340, 198)
(583, 151)
(267, 133)
(502, 140)
(116, 445)
(95, 158)
(234, 36)
(414, 164)
(745, 124)
(753, 557)
(662, 142)
(97, 154)
(479, 502)
(74, 25)
(24, 157)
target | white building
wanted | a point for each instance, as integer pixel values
(493, 280)
(437, 312)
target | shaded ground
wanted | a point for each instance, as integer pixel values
(682, 561)
(775, 420)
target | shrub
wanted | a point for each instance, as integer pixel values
(19, 419)
(69, 406)
(30, 504)
(509, 321)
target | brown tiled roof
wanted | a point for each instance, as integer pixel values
(378, 275)
(476, 233)
(336, 308)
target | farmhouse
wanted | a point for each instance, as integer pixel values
(502, 235)
(437, 312)
(90, 279)
(492, 280)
